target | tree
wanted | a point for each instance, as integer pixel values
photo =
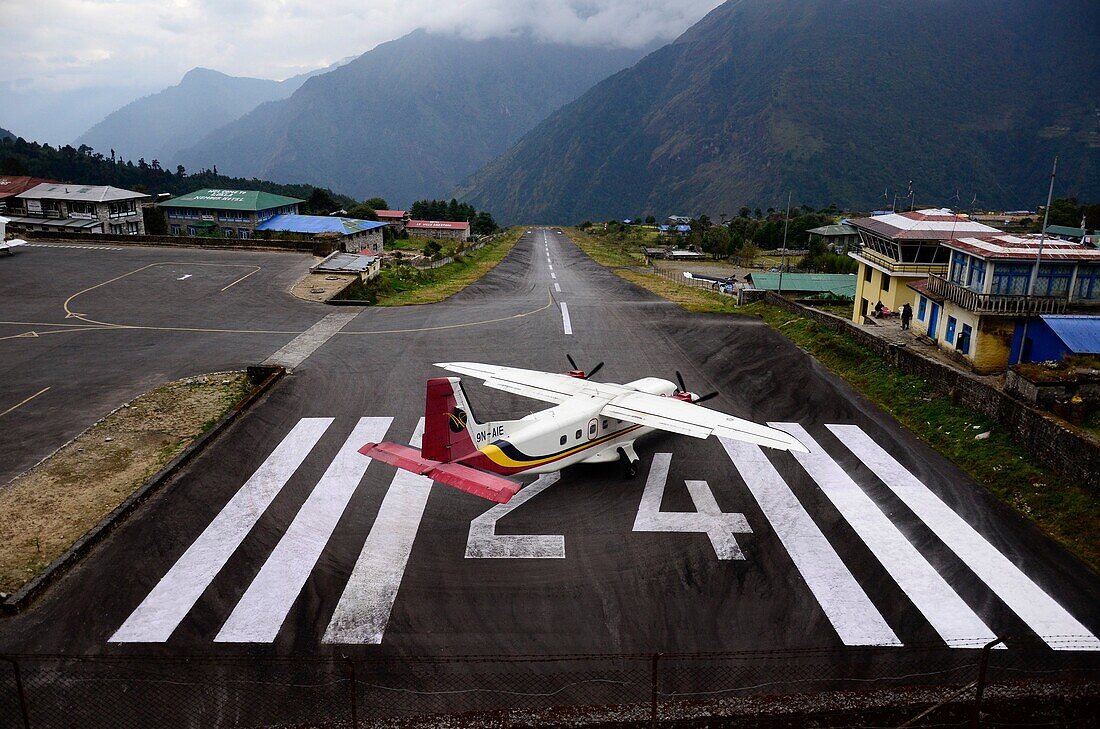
(362, 211)
(743, 212)
(320, 202)
(650, 220)
(483, 224)
(717, 241)
(1065, 211)
(749, 252)
(180, 171)
(376, 203)
(155, 222)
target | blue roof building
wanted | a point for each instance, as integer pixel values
(357, 235)
(1053, 337)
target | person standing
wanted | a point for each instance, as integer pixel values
(906, 315)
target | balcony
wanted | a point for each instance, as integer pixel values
(869, 255)
(996, 304)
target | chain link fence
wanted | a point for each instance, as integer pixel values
(1027, 685)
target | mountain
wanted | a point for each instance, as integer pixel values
(159, 125)
(5, 134)
(836, 101)
(410, 118)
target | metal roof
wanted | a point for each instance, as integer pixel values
(841, 284)
(438, 224)
(930, 224)
(82, 193)
(230, 200)
(390, 213)
(829, 230)
(13, 185)
(1066, 231)
(345, 263)
(1080, 333)
(319, 224)
(1024, 248)
(56, 222)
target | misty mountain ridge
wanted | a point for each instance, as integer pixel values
(157, 126)
(410, 118)
(837, 102)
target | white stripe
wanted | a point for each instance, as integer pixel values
(565, 318)
(173, 597)
(952, 618)
(264, 606)
(364, 609)
(1059, 629)
(847, 606)
(552, 275)
(483, 541)
(557, 287)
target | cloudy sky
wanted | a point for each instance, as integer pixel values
(121, 49)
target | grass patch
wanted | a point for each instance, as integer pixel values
(403, 285)
(612, 250)
(700, 301)
(1062, 508)
(46, 509)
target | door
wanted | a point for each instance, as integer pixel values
(933, 319)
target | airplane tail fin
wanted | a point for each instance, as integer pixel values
(486, 485)
(447, 421)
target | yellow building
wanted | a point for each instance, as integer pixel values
(897, 249)
(975, 308)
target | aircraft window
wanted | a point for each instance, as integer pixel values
(578, 436)
(592, 429)
(562, 441)
(605, 424)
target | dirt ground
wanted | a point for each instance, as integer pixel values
(46, 509)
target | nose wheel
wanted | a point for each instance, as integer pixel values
(629, 460)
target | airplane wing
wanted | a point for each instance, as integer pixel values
(677, 416)
(545, 386)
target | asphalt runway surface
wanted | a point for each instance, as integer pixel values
(279, 540)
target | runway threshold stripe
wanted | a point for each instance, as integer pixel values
(297, 350)
(261, 611)
(952, 618)
(853, 615)
(565, 318)
(173, 597)
(1059, 629)
(364, 609)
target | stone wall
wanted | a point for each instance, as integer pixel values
(316, 247)
(1049, 439)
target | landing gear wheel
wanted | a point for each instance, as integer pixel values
(630, 463)
(632, 469)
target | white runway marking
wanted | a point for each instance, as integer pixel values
(364, 609)
(707, 519)
(552, 275)
(173, 597)
(297, 350)
(1059, 629)
(557, 287)
(565, 318)
(484, 542)
(847, 606)
(952, 618)
(184, 277)
(86, 248)
(264, 606)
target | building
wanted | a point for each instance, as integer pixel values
(363, 267)
(974, 308)
(11, 186)
(899, 248)
(1053, 337)
(832, 286)
(1010, 221)
(232, 213)
(356, 236)
(678, 220)
(1083, 235)
(674, 229)
(446, 229)
(59, 207)
(397, 219)
(837, 238)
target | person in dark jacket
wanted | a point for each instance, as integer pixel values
(906, 315)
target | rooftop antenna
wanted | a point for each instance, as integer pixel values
(1035, 270)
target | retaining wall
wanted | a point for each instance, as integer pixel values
(1049, 439)
(316, 247)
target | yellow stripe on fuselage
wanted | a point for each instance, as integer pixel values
(499, 457)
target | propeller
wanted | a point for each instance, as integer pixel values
(578, 372)
(683, 393)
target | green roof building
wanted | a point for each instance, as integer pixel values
(230, 213)
(808, 285)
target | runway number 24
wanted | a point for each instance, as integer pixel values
(720, 527)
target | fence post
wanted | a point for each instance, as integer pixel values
(19, 690)
(653, 691)
(983, 664)
(354, 699)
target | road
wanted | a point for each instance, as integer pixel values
(280, 541)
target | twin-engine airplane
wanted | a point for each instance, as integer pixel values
(592, 422)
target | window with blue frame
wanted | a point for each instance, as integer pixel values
(975, 277)
(1010, 278)
(963, 343)
(958, 268)
(1053, 280)
(1088, 283)
(949, 337)
(921, 308)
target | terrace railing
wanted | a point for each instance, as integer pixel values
(1002, 304)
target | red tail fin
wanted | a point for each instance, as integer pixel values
(446, 413)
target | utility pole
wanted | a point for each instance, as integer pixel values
(786, 224)
(1038, 258)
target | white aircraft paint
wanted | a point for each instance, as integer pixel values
(364, 609)
(952, 618)
(264, 606)
(485, 543)
(708, 519)
(847, 606)
(1059, 629)
(173, 597)
(565, 318)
